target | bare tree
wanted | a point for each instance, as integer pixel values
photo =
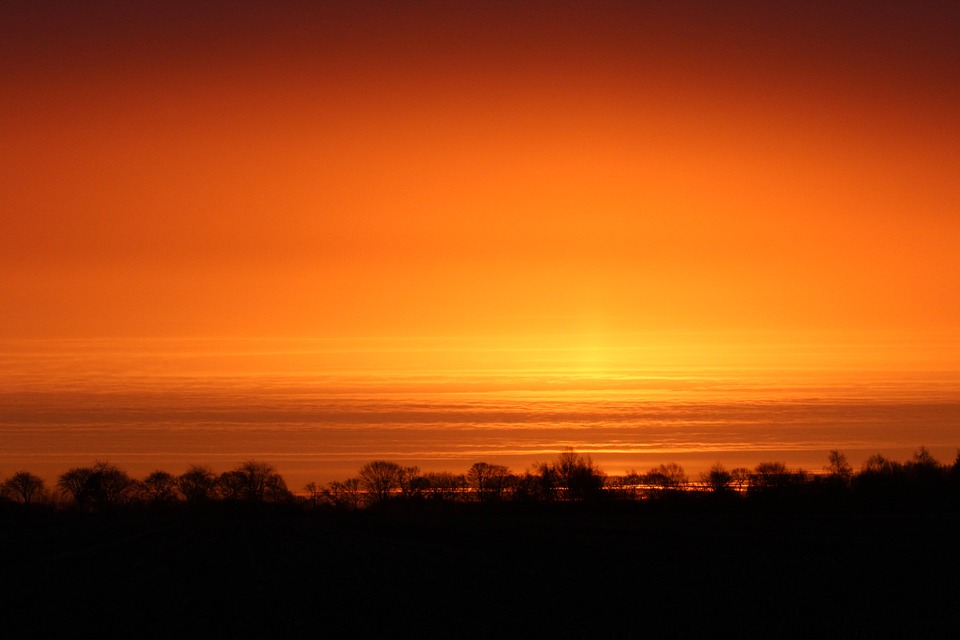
(24, 487)
(487, 481)
(717, 479)
(923, 463)
(924, 471)
(578, 476)
(740, 478)
(879, 479)
(837, 467)
(198, 484)
(345, 494)
(275, 489)
(110, 485)
(380, 479)
(570, 477)
(879, 464)
(230, 485)
(443, 485)
(75, 482)
(313, 493)
(665, 478)
(630, 484)
(160, 486)
(776, 475)
(103, 485)
(540, 483)
(621, 487)
(253, 481)
(411, 482)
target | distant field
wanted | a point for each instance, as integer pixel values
(566, 571)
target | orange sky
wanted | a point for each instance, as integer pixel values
(480, 169)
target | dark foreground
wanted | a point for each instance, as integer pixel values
(568, 571)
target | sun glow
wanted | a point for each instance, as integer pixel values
(500, 214)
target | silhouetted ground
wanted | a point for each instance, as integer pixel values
(563, 571)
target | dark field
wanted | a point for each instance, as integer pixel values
(567, 571)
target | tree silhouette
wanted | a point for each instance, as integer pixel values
(198, 484)
(926, 477)
(838, 467)
(443, 485)
(253, 482)
(379, 479)
(345, 494)
(276, 489)
(110, 485)
(630, 485)
(717, 479)
(487, 481)
(924, 467)
(541, 483)
(570, 477)
(102, 486)
(313, 493)
(578, 476)
(411, 482)
(920, 483)
(75, 482)
(740, 478)
(770, 475)
(878, 465)
(160, 486)
(24, 487)
(665, 478)
(615, 487)
(879, 481)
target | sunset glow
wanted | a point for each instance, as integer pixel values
(451, 205)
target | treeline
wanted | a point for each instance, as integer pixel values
(106, 487)
(921, 482)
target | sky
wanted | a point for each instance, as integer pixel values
(598, 172)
